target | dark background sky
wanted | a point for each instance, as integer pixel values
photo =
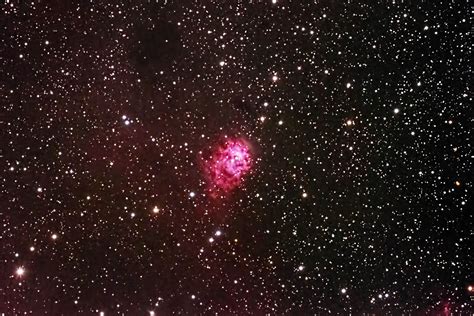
(358, 115)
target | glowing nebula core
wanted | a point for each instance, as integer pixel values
(228, 164)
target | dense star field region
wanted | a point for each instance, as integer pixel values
(267, 157)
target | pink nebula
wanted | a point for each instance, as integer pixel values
(227, 165)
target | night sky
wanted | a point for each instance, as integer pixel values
(235, 158)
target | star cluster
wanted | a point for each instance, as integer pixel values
(266, 157)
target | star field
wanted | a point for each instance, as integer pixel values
(235, 158)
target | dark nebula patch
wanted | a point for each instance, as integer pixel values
(156, 47)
